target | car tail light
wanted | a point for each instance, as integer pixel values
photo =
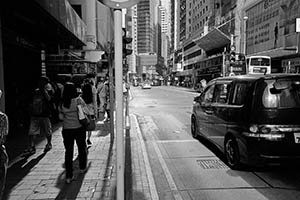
(266, 132)
(253, 128)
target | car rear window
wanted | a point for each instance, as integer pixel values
(285, 96)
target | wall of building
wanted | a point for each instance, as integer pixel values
(264, 17)
(26, 30)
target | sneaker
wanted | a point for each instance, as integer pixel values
(69, 180)
(48, 147)
(30, 150)
(89, 142)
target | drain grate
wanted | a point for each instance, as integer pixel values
(212, 164)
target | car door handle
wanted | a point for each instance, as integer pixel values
(209, 112)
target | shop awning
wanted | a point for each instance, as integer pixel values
(212, 40)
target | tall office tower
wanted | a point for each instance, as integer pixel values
(164, 31)
(167, 5)
(145, 26)
(182, 21)
(164, 22)
(173, 24)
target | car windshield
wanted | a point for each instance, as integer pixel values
(285, 96)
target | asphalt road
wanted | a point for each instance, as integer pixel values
(185, 168)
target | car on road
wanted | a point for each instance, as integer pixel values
(253, 119)
(146, 85)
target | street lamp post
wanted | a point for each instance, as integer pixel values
(245, 34)
(117, 5)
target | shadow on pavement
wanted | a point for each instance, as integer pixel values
(128, 167)
(19, 170)
(70, 191)
(109, 162)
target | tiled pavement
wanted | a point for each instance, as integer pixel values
(41, 176)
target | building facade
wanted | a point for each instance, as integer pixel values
(39, 32)
(28, 30)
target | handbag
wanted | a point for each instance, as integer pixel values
(92, 123)
(86, 120)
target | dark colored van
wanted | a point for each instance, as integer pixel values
(253, 119)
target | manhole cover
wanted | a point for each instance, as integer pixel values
(212, 164)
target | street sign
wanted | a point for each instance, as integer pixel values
(119, 3)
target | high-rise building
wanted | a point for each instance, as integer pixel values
(167, 5)
(148, 37)
(145, 27)
(164, 20)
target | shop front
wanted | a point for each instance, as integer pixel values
(26, 30)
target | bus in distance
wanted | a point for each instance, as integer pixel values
(258, 64)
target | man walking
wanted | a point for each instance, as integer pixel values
(40, 110)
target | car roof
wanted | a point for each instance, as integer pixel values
(254, 77)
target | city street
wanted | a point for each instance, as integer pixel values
(184, 168)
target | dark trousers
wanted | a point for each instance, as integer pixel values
(3, 168)
(69, 136)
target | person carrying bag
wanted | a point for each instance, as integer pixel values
(72, 130)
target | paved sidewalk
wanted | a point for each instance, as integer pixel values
(42, 176)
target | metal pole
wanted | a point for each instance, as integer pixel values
(245, 34)
(119, 102)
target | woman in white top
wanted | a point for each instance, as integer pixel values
(89, 95)
(72, 129)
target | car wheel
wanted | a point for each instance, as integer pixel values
(194, 127)
(232, 153)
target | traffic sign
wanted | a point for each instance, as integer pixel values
(119, 3)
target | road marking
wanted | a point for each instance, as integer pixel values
(152, 186)
(152, 126)
(167, 173)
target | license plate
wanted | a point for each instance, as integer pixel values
(297, 138)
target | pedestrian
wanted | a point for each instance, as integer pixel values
(91, 103)
(102, 92)
(3, 154)
(72, 129)
(40, 111)
(107, 104)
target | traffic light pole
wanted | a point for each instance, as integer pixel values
(119, 102)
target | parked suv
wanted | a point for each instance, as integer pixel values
(254, 119)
